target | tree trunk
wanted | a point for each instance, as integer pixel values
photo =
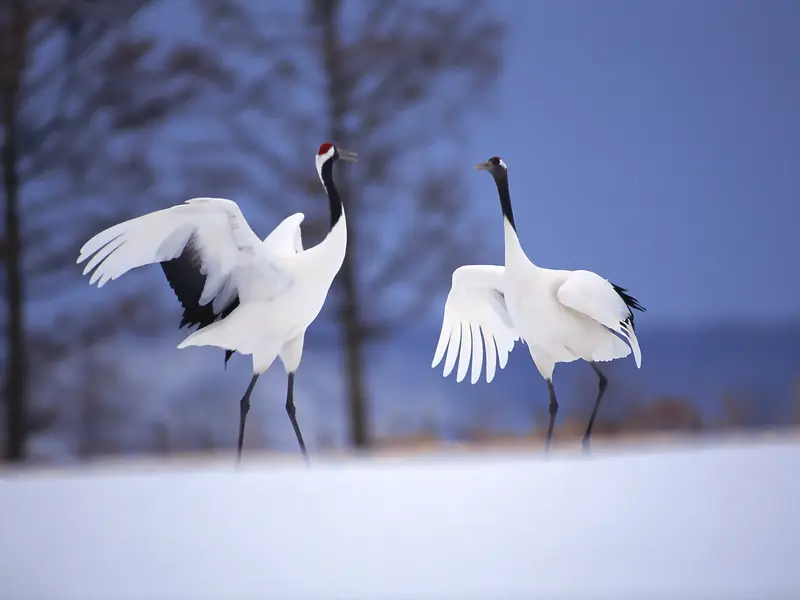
(350, 314)
(16, 380)
(354, 345)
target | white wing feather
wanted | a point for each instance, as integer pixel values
(217, 227)
(475, 318)
(594, 296)
(286, 238)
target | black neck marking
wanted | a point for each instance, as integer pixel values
(505, 197)
(333, 194)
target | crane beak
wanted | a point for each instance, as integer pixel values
(348, 155)
(484, 166)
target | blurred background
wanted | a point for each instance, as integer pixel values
(656, 144)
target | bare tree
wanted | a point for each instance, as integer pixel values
(82, 98)
(394, 81)
(13, 60)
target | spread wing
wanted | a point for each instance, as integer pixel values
(475, 318)
(601, 300)
(199, 244)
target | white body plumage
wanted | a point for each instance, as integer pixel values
(562, 316)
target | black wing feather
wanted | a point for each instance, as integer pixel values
(631, 302)
(187, 281)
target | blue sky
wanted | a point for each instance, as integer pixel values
(656, 143)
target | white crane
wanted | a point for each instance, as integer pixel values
(561, 315)
(244, 294)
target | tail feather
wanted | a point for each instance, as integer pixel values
(612, 348)
(627, 327)
(230, 334)
(630, 334)
(236, 332)
(631, 302)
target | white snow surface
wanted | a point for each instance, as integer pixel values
(718, 521)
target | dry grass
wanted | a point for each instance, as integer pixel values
(416, 446)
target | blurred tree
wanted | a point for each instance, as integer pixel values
(81, 97)
(747, 408)
(665, 413)
(732, 417)
(796, 403)
(394, 81)
(93, 413)
(12, 63)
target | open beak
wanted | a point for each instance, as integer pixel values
(484, 166)
(348, 155)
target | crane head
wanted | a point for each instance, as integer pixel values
(328, 151)
(328, 154)
(495, 165)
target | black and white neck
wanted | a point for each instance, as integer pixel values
(500, 176)
(326, 156)
(515, 256)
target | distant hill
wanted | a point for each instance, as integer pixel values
(701, 364)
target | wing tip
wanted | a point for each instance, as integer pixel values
(630, 301)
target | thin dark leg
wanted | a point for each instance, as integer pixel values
(244, 407)
(290, 410)
(602, 382)
(553, 412)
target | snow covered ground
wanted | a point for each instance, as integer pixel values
(714, 521)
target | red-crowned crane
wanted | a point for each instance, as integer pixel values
(562, 316)
(245, 295)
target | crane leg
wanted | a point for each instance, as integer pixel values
(244, 407)
(291, 411)
(553, 413)
(602, 382)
